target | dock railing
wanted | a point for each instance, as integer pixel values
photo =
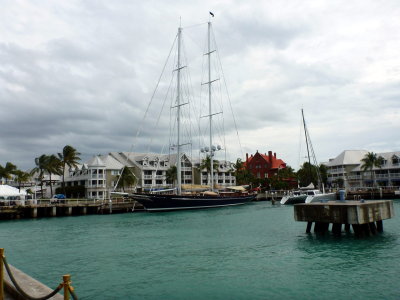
(65, 284)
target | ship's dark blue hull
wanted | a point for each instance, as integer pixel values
(175, 202)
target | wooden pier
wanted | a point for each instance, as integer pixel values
(68, 208)
(365, 217)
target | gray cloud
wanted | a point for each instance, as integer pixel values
(82, 73)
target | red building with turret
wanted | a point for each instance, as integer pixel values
(263, 165)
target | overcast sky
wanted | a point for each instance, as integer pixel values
(82, 72)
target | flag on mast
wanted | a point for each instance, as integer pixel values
(211, 14)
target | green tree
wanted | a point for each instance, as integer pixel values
(53, 166)
(242, 174)
(21, 177)
(370, 161)
(7, 171)
(307, 174)
(126, 179)
(323, 170)
(206, 164)
(172, 174)
(40, 163)
(69, 157)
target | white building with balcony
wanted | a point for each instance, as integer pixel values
(98, 176)
(224, 174)
(151, 169)
(346, 167)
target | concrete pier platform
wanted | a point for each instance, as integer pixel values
(365, 217)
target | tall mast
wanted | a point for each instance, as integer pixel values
(308, 152)
(178, 100)
(209, 107)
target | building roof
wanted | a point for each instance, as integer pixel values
(387, 156)
(276, 163)
(104, 161)
(96, 161)
(347, 157)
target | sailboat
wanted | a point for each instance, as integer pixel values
(208, 199)
(309, 194)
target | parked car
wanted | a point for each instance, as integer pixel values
(58, 198)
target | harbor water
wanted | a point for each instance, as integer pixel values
(255, 251)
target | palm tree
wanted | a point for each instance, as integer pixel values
(21, 177)
(69, 157)
(172, 174)
(370, 161)
(40, 163)
(206, 164)
(126, 179)
(8, 170)
(242, 174)
(53, 165)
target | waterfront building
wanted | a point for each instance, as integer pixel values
(151, 169)
(263, 165)
(224, 174)
(346, 169)
(97, 177)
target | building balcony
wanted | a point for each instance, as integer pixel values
(378, 176)
(98, 176)
(395, 175)
(354, 177)
(96, 186)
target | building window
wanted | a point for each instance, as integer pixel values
(158, 182)
(148, 182)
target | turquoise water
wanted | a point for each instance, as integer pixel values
(256, 251)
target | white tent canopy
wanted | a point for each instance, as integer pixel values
(7, 191)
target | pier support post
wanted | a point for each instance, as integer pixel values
(66, 282)
(357, 229)
(53, 211)
(337, 228)
(379, 226)
(365, 229)
(321, 227)
(372, 227)
(84, 210)
(1, 274)
(347, 227)
(309, 225)
(34, 212)
(68, 211)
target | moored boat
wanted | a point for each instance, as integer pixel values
(199, 199)
(318, 196)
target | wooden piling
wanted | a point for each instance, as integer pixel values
(1, 274)
(309, 225)
(337, 228)
(379, 226)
